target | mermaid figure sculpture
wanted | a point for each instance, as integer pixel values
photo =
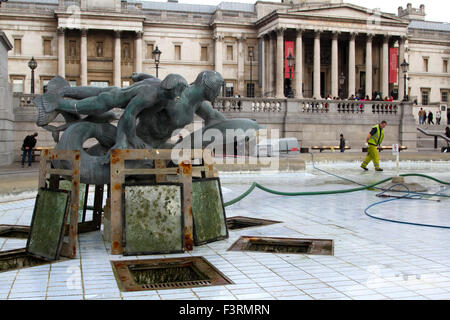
(153, 110)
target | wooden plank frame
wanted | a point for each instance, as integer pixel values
(69, 248)
(184, 172)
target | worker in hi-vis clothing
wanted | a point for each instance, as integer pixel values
(374, 140)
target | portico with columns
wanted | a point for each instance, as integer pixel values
(93, 52)
(329, 46)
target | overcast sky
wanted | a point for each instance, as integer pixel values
(436, 10)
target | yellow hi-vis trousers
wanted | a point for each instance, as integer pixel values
(372, 155)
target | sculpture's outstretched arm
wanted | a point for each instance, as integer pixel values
(209, 114)
(136, 77)
(126, 128)
(83, 92)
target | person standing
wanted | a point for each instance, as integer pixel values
(27, 147)
(374, 140)
(342, 143)
(421, 116)
(430, 118)
(438, 117)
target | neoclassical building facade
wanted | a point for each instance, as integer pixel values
(339, 49)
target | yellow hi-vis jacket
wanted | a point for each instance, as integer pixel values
(377, 138)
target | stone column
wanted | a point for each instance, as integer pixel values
(61, 53)
(117, 60)
(241, 66)
(280, 64)
(401, 79)
(138, 61)
(351, 65)
(262, 65)
(316, 93)
(369, 67)
(334, 65)
(270, 64)
(218, 53)
(385, 68)
(299, 64)
(83, 58)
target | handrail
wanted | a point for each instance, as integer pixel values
(447, 139)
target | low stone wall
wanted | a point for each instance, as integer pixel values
(320, 122)
(312, 122)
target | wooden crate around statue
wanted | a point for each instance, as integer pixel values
(153, 220)
(47, 225)
(208, 211)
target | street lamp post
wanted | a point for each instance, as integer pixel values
(341, 82)
(290, 60)
(404, 66)
(156, 54)
(32, 64)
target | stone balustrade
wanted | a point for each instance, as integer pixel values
(307, 106)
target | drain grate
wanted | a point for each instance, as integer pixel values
(159, 274)
(14, 231)
(283, 245)
(239, 222)
(18, 259)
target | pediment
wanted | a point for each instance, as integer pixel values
(346, 11)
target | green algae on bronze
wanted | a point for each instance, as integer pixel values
(153, 219)
(47, 224)
(208, 211)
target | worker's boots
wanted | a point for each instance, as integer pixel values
(378, 169)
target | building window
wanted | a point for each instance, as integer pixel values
(425, 97)
(17, 46)
(230, 53)
(444, 96)
(177, 52)
(100, 84)
(72, 48)
(44, 82)
(251, 54)
(99, 49)
(150, 48)
(47, 47)
(73, 83)
(125, 83)
(445, 66)
(126, 53)
(250, 90)
(425, 64)
(18, 84)
(229, 89)
(204, 54)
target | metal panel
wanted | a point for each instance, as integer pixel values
(47, 225)
(208, 211)
(153, 220)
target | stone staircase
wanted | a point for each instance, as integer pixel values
(426, 143)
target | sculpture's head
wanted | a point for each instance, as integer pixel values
(211, 82)
(173, 85)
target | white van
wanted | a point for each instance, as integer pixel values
(277, 147)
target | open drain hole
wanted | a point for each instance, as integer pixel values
(175, 273)
(234, 223)
(13, 231)
(283, 245)
(18, 259)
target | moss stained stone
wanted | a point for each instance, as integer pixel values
(47, 224)
(153, 219)
(208, 211)
(67, 185)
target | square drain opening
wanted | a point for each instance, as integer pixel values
(13, 231)
(235, 223)
(283, 245)
(175, 273)
(18, 259)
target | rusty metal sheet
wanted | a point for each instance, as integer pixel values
(208, 211)
(47, 224)
(153, 220)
